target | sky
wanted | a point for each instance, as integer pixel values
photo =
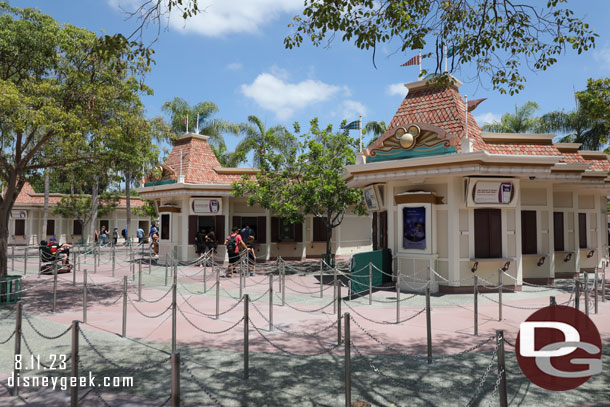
(233, 55)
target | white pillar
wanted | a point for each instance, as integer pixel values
(454, 201)
(576, 232)
(551, 231)
(268, 234)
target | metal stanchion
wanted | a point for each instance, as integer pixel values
(586, 283)
(166, 267)
(74, 365)
(241, 278)
(338, 313)
(85, 297)
(25, 261)
(13, 259)
(428, 323)
(217, 293)
(321, 278)
(132, 267)
(348, 370)
(150, 256)
(205, 275)
(283, 271)
(174, 316)
(124, 331)
(18, 332)
(175, 379)
(113, 259)
(595, 300)
(499, 294)
(603, 281)
(246, 335)
(398, 298)
(39, 262)
(95, 257)
(370, 283)
(54, 286)
(476, 306)
(501, 369)
(270, 302)
(577, 294)
(73, 271)
(552, 300)
(140, 282)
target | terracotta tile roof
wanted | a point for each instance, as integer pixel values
(30, 197)
(522, 149)
(198, 162)
(441, 107)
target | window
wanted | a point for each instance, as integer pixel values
(51, 227)
(487, 233)
(165, 221)
(319, 229)
(282, 231)
(528, 232)
(582, 230)
(286, 231)
(558, 231)
(19, 227)
(77, 227)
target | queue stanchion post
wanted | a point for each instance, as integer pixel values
(205, 275)
(397, 297)
(595, 298)
(603, 281)
(348, 368)
(85, 297)
(174, 316)
(283, 283)
(270, 302)
(18, 332)
(55, 286)
(217, 293)
(321, 278)
(150, 257)
(577, 293)
(113, 259)
(370, 283)
(246, 335)
(166, 267)
(39, 262)
(140, 281)
(124, 326)
(476, 305)
(586, 290)
(175, 359)
(502, 391)
(428, 324)
(499, 294)
(13, 259)
(95, 257)
(25, 261)
(338, 313)
(74, 365)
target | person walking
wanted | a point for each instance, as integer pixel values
(251, 256)
(233, 243)
(103, 236)
(140, 234)
(115, 236)
(200, 243)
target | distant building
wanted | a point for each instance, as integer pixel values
(448, 197)
(25, 224)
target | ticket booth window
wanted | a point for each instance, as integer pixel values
(319, 229)
(165, 222)
(19, 227)
(487, 233)
(582, 230)
(558, 236)
(528, 232)
(77, 227)
(51, 227)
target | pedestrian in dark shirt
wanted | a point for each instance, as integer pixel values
(200, 242)
(210, 240)
(251, 256)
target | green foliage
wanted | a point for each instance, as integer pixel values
(259, 140)
(148, 209)
(307, 179)
(79, 206)
(496, 36)
(522, 121)
(578, 127)
(376, 129)
(595, 100)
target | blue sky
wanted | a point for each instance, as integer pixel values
(233, 54)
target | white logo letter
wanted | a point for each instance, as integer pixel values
(527, 333)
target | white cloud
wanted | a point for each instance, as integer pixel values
(352, 109)
(487, 118)
(235, 66)
(272, 91)
(602, 55)
(221, 17)
(396, 89)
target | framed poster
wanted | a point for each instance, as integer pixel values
(370, 197)
(414, 228)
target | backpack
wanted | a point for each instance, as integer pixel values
(124, 232)
(231, 244)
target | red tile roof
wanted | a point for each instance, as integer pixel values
(198, 162)
(30, 197)
(521, 149)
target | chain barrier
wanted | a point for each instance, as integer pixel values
(228, 293)
(490, 403)
(191, 292)
(4, 318)
(324, 351)
(201, 385)
(48, 337)
(507, 305)
(309, 311)
(27, 345)
(260, 296)
(377, 370)
(210, 315)
(107, 303)
(9, 338)
(394, 302)
(483, 377)
(297, 334)
(145, 315)
(209, 332)
(116, 365)
(383, 322)
(508, 343)
(158, 299)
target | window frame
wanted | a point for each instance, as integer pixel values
(526, 233)
(556, 237)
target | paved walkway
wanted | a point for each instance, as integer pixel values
(298, 362)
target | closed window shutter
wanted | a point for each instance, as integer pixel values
(528, 232)
(19, 227)
(582, 230)
(192, 228)
(374, 227)
(275, 229)
(298, 232)
(487, 233)
(319, 229)
(220, 229)
(558, 231)
(77, 228)
(383, 225)
(261, 226)
(236, 222)
(50, 227)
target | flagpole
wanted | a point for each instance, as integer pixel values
(445, 55)
(197, 129)
(419, 77)
(187, 124)
(360, 128)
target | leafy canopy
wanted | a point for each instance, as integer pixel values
(497, 37)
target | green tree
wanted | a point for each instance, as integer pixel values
(496, 36)
(58, 84)
(595, 100)
(259, 140)
(578, 127)
(376, 129)
(307, 180)
(80, 207)
(522, 121)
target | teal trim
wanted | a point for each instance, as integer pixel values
(162, 182)
(416, 152)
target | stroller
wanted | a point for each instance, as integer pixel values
(50, 256)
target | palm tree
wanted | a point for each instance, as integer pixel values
(520, 122)
(260, 140)
(226, 158)
(178, 109)
(578, 126)
(376, 129)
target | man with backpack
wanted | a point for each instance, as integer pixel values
(233, 242)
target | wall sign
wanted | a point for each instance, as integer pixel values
(370, 197)
(19, 214)
(414, 227)
(492, 192)
(212, 206)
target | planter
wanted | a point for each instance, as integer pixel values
(10, 289)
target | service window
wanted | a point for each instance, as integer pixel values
(582, 230)
(106, 224)
(282, 231)
(558, 231)
(165, 222)
(19, 227)
(319, 229)
(528, 232)
(77, 228)
(487, 233)
(51, 227)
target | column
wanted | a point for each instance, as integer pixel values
(268, 234)
(454, 200)
(551, 231)
(576, 232)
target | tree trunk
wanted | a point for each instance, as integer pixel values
(45, 213)
(94, 205)
(13, 187)
(128, 201)
(329, 236)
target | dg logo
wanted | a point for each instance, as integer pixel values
(559, 348)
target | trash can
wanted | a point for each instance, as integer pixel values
(10, 289)
(329, 259)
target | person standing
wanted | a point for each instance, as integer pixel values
(200, 243)
(246, 232)
(140, 234)
(210, 240)
(251, 256)
(115, 236)
(233, 243)
(103, 235)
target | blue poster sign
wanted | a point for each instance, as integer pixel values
(414, 228)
